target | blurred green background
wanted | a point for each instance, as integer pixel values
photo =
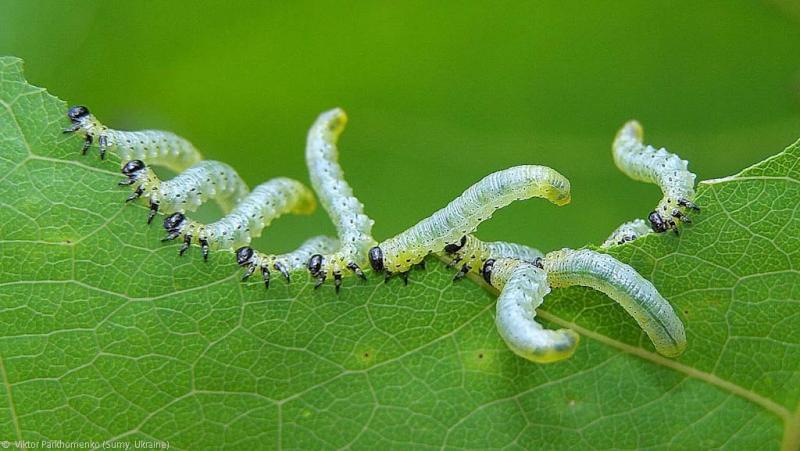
(439, 94)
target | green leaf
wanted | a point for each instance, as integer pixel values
(108, 335)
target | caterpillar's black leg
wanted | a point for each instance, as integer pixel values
(454, 262)
(682, 217)
(153, 210)
(250, 270)
(626, 238)
(461, 273)
(356, 269)
(688, 204)
(386, 276)
(187, 241)
(404, 275)
(102, 142)
(421, 265)
(87, 142)
(265, 275)
(337, 280)
(126, 182)
(136, 194)
(171, 236)
(283, 271)
(453, 248)
(72, 128)
(320, 281)
(204, 247)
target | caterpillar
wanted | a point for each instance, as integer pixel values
(265, 203)
(587, 268)
(628, 231)
(188, 190)
(284, 263)
(472, 253)
(523, 287)
(353, 227)
(156, 147)
(624, 285)
(463, 215)
(658, 166)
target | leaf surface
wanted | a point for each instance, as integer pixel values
(106, 334)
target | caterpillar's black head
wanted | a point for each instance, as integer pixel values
(244, 255)
(132, 167)
(657, 223)
(174, 222)
(376, 259)
(315, 264)
(77, 112)
(486, 271)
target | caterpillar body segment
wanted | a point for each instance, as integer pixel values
(625, 286)
(506, 249)
(471, 254)
(523, 287)
(463, 215)
(206, 180)
(628, 231)
(353, 227)
(265, 203)
(285, 264)
(154, 147)
(647, 164)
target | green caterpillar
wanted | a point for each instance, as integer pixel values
(625, 286)
(463, 215)
(658, 166)
(265, 203)
(584, 267)
(353, 227)
(154, 147)
(188, 190)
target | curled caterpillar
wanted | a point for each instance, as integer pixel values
(353, 227)
(284, 263)
(471, 253)
(624, 285)
(628, 231)
(188, 190)
(667, 170)
(463, 215)
(523, 287)
(265, 203)
(155, 147)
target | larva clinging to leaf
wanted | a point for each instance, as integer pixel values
(658, 166)
(628, 231)
(154, 147)
(588, 268)
(463, 215)
(471, 253)
(284, 263)
(188, 190)
(353, 227)
(523, 287)
(624, 285)
(265, 203)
